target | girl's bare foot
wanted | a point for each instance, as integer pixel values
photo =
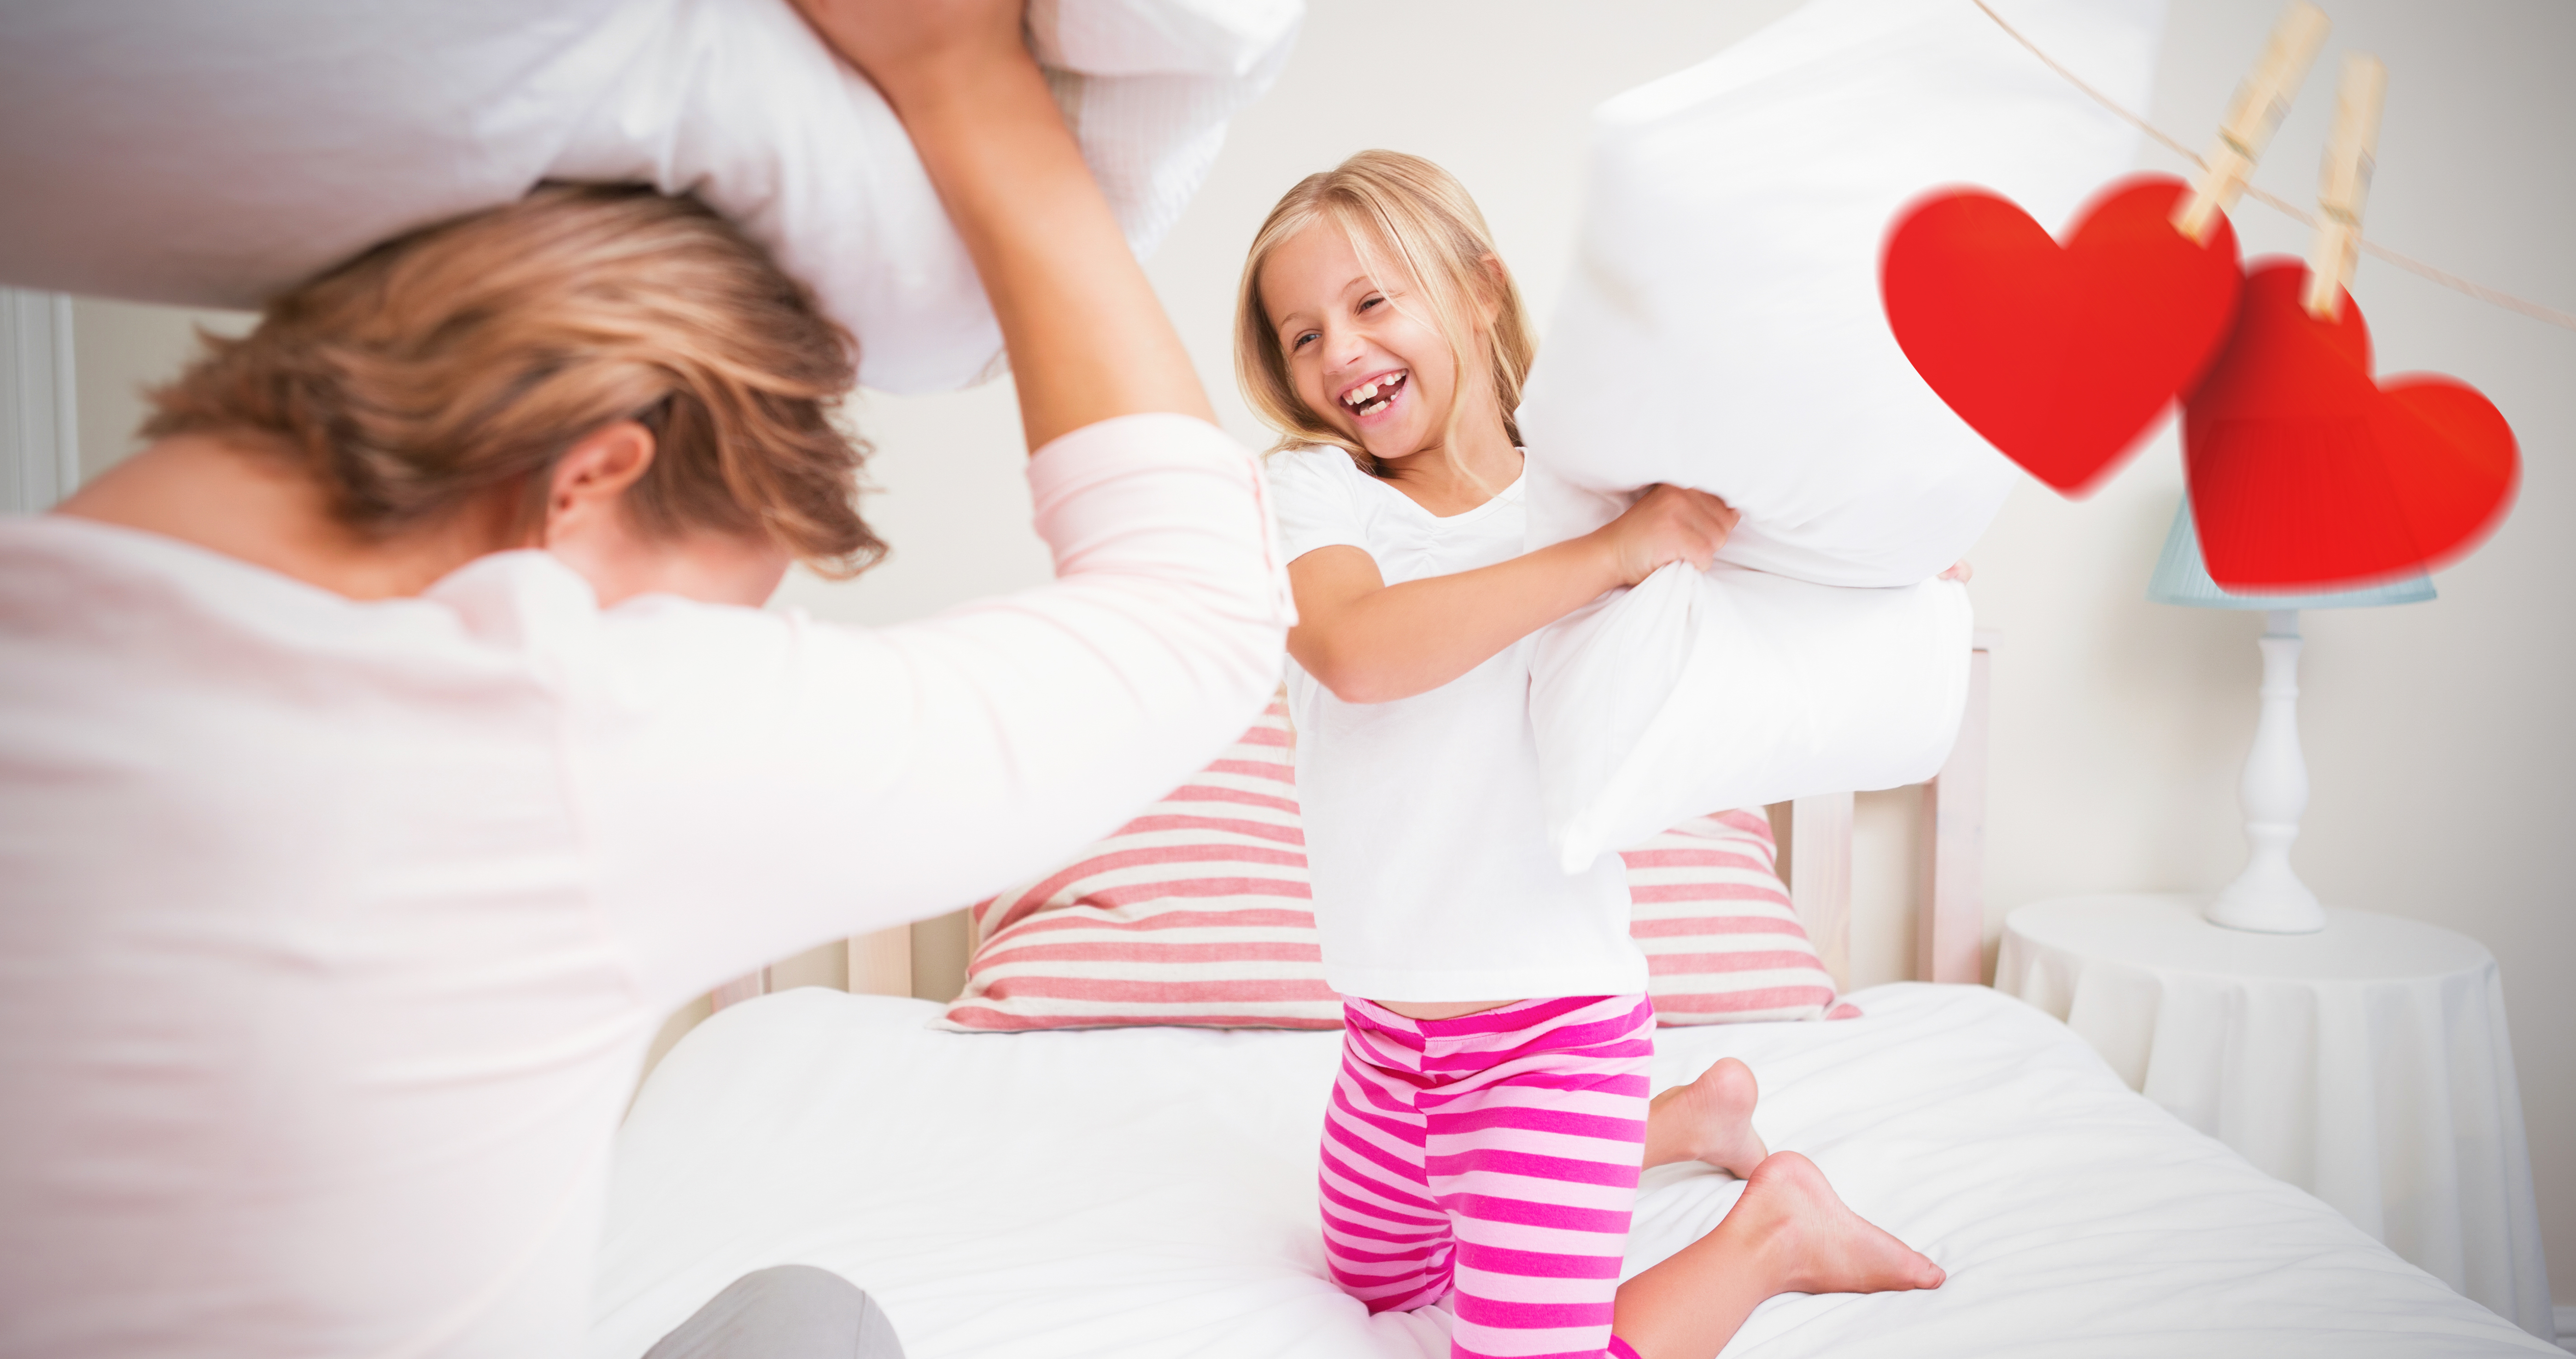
(1710, 1119)
(1817, 1244)
(1788, 1233)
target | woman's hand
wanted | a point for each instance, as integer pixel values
(1959, 571)
(908, 46)
(1667, 524)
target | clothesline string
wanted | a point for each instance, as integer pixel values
(2508, 301)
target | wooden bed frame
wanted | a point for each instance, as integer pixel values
(1815, 836)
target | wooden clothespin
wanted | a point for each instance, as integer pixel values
(2350, 157)
(2260, 102)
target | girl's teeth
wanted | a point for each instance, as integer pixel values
(1362, 399)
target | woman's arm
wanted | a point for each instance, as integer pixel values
(755, 783)
(1087, 338)
(1370, 642)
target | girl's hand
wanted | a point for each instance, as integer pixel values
(1959, 571)
(1371, 642)
(905, 46)
(1667, 524)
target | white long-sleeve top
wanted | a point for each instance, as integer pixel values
(332, 933)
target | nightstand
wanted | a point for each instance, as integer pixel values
(2367, 1063)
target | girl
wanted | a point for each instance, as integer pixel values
(1487, 1129)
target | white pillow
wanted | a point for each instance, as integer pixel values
(1740, 686)
(1723, 331)
(212, 154)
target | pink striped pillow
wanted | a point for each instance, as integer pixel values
(1197, 912)
(1722, 942)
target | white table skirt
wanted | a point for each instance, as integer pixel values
(2367, 1064)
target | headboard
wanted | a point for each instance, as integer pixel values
(1815, 836)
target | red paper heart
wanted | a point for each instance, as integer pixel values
(2061, 357)
(2306, 473)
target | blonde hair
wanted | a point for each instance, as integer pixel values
(466, 357)
(1405, 212)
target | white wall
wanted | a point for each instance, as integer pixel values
(121, 348)
(2440, 737)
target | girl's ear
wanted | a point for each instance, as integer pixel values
(1489, 297)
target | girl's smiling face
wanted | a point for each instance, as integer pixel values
(1377, 372)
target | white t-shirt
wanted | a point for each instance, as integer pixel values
(1425, 837)
(332, 933)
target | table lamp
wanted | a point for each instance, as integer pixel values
(2268, 896)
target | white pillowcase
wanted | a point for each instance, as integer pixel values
(1739, 688)
(212, 154)
(1723, 331)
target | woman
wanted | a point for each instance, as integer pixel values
(390, 744)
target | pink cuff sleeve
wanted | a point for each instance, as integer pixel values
(1076, 480)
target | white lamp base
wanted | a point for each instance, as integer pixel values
(2268, 896)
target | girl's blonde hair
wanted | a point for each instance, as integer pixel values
(465, 358)
(1408, 218)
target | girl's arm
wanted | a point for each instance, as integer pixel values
(1087, 338)
(1370, 642)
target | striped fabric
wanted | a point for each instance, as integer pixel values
(1722, 941)
(1196, 912)
(1491, 1159)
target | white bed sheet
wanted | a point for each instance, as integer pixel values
(1150, 1192)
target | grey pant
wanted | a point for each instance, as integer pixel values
(784, 1312)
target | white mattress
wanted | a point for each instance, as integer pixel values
(1150, 1192)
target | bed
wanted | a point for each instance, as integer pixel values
(1150, 1191)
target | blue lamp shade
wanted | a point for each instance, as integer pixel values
(2181, 578)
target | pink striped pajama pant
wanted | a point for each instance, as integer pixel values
(1490, 1158)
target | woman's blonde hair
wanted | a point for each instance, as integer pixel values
(466, 357)
(1407, 217)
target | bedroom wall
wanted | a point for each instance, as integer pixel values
(2439, 736)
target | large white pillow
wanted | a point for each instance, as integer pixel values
(1722, 330)
(211, 154)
